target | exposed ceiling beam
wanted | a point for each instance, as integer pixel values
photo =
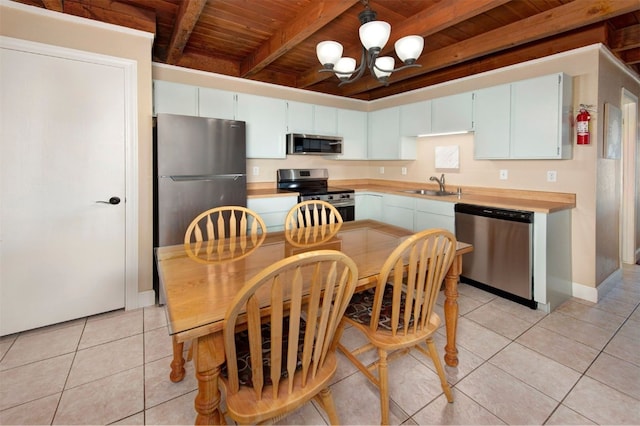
(53, 5)
(549, 23)
(590, 35)
(113, 12)
(186, 20)
(429, 21)
(626, 38)
(631, 56)
(302, 26)
(208, 63)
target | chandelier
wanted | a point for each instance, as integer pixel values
(373, 36)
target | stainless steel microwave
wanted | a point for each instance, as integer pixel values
(298, 143)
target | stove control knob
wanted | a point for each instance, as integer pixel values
(330, 197)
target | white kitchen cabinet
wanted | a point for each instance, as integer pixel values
(398, 210)
(273, 210)
(215, 103)
(368, 206)
(529, 119)
(434, 214)
(352, 126)
(299, 117)
(492, 123)
(311, 119)
(325, 120)
(553, 283)
(415, 118)
(541, 118)
(174, 98)
(452, 114)
(384, 139)
(266, 120)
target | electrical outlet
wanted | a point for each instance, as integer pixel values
(504, 174)
(381, 170)
(552, 176)
(256, 170)
(403, 171)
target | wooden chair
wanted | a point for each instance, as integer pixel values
(224, 233)
(398, 313)
(220, 234)
(311, 213)
(311, 236)
(277, 363)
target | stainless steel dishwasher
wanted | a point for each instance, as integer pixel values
(502, 257)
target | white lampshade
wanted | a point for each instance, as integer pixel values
(375, 34)
(345, 65)
(386, 63)
(328, 52)
(409, 47)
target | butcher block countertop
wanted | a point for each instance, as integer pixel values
(535, 201)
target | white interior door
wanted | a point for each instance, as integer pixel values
(62, 136)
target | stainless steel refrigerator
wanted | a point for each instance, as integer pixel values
(200, 163)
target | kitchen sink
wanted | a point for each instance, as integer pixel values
(430, 192)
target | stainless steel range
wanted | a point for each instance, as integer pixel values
(312, 184)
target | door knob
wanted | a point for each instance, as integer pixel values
(112, 200)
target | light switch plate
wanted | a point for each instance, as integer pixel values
(256, 170)
(552, 176)
(504, 174)
(403, 171)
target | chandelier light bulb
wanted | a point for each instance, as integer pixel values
(375, 34)
(409, 48)
(329, 52)
(345, 66)
(384, 66)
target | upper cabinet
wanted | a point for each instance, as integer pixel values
(541, 118)
(174, 98)
(452, 114)
(449, 114)
(311, 119)
(385, 139)
(266, 125)
(216, 103)
(415, 118)
(492, 109)
(529, 119)
(352, 126)
(299, 117)
(325, 120)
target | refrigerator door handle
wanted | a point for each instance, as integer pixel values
(184, 178)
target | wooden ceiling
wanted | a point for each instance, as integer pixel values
(274, 40)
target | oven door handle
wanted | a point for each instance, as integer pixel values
(343, 204)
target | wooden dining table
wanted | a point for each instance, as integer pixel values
(200, 284)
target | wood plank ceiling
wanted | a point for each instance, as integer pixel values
(274, 40)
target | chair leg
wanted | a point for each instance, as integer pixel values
(326, 400)
(436, 362)
(383, 376)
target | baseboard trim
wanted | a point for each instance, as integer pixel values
(594, 294)
(146, 298)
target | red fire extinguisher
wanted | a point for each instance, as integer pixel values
(582, 125)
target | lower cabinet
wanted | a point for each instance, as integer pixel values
(398, 210)
(434, 214)
(368, 206)
(273, 210)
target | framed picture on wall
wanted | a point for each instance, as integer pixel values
(612, 131)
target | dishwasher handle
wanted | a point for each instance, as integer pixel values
(495, 213)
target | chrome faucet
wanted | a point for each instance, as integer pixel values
(440, 182)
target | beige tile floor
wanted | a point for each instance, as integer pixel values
(578, 365)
